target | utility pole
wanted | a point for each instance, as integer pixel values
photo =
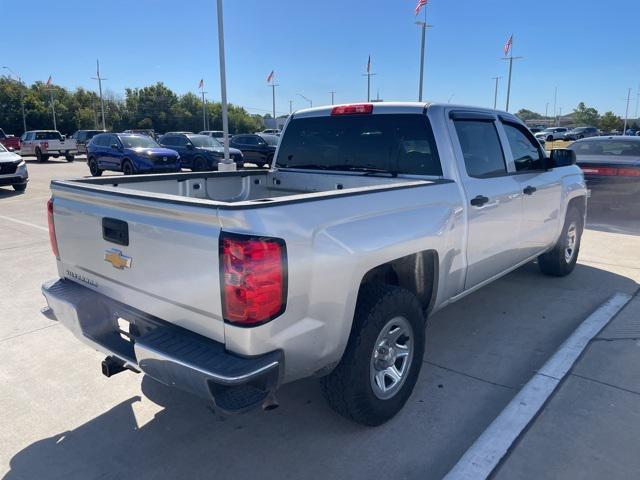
(368, 75)
(555, 103)
(495, 93)
(626, 114)
(22, 87)
(307, 99)
(100, 79)
(227, 164)
(423, 27)
(332, 96)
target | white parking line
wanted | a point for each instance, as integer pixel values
(2, 217)
(486, 452)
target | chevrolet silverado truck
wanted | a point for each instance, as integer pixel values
(10, 142)
(371, 218)
(47, 143)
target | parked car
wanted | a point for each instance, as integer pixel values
(581, 132)
(129, 153)
(199, 152)
(230, 284)
(149, 132)
(611, 167)
(82, 137)
(258, 149)
(178, 133)
(270, 131)
(631, 132)
(47, 143)
(213, 133)
(9, 141)
(13, 170)
(552, 133)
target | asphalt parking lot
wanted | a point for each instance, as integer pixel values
(63, 419)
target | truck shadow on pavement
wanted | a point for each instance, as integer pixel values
(480, 351)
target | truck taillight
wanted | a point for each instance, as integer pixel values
(612, 171)
(353, 109)
(52, 229)
(253, 277)
(44, 145)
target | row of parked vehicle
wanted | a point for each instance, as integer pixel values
(571, 134)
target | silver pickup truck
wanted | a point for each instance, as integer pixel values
(371, 218)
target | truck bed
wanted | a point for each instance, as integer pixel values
(241, 189)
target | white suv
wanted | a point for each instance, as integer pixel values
(551, 134)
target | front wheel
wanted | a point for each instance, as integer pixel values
(70, 157)
(93, 167)
(561, 260)
(381, 363)
(20, 187)
(127, 168)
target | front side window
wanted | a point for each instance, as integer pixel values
(203, 141)
(138, 141)
(527, 154)
(481, 148)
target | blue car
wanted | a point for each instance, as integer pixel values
(199, 152)
(129, 153)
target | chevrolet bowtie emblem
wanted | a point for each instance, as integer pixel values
(117, 259)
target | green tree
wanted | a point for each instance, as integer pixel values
(610, 121)
(524, 115)
(584, 116)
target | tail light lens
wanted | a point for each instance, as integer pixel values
(44, 145)
(253, 277)
(612, 171)
(52, 229)
(352, 109)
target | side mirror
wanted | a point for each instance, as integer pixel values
(64, 137)
(115, 146)
(189, 146)
(561, 157)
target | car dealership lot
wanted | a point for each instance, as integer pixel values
(63, 419)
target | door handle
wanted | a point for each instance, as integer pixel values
(529, 190)
(479, 200)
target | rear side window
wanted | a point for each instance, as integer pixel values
(481, 148)
(401, 143)
(526, 151)
(48, 136)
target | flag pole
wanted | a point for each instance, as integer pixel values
(511, 58)
(204, 108)
(495, 93)
(53, 108)
(423, 26)
(227, 164)
(368, 75)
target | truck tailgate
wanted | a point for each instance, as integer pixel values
(168, 269)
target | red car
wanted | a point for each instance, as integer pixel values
(9, 141)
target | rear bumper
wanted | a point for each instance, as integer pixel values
(169, 354)
(613, 190)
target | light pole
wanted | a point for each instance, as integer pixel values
(555, 103)
(546, 110)
(368, 75)
(99, 78)
(24, 117)
(495, 93)
(307, 99)
(273, 99)
(423, 27)
(332, 96)
(637, 102)
(290, 107)
(626, 114)
(227, 164)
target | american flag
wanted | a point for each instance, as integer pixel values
(508, 45)
(420, 4)
(201, 84)
(369, 65)
(49, 81)
(270, 77)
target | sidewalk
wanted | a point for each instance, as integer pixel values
(590, 427)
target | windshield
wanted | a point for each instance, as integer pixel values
(271, 140)
(138, 141)
(203, 141)
(396, 143)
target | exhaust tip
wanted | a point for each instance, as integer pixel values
(270, 403)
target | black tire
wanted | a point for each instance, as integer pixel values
(558, 262)
(550, 138)
(20, 187)
(127, 168)
(93, 167)
(40, 156)
(70, 157)
(199, 164)
(349, 387)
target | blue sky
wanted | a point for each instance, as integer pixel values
(588, 49)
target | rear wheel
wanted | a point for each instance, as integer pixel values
(93, 167)
(561, 261)
(381, 363)
(549, 138)
(20, 188)
(127, 168)
(69, 156)
(199, 164)
(41, 157)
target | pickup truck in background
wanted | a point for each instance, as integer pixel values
(10, 142)
(47, 143)
(371, 218)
